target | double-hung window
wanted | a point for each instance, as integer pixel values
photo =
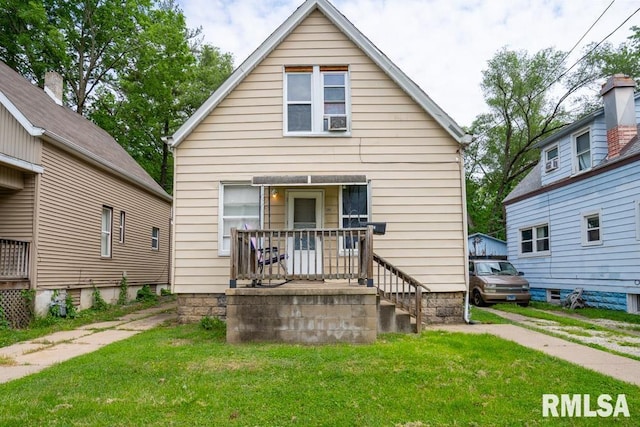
(551, 158)
(316, 100)
(591, 228)
(355, 210)
(582, 146)
(534, 240)
(122, 225)
(239, 206)
(105, 238)
(155, 238)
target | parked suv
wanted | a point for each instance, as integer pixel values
(492, 281)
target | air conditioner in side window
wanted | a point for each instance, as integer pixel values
(551, 165)
(337, 123)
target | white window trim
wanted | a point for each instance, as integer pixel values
(121, 228)
(106, 233)
(342, 250)
(637, 204)
(317, 104)
(535, 252)
(155, 240)
(574, 150)
(221, 250)
(583, 227)
(545, 158)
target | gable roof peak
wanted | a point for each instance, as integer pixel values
(359, 39)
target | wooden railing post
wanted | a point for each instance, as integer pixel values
(233, 248)
(369, 256)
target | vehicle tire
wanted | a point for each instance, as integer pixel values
(524, 304)
(477, 299)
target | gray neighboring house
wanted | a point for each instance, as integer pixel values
(574, 221)
(76, 211)
(482, 245)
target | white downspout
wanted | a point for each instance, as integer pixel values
(466, 140)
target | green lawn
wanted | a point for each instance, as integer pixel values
(188, 376)
(48, 324)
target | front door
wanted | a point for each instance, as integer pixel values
(305, 212)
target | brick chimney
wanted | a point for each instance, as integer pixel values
(619, 112)
(53, 86)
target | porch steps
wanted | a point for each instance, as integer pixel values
(393, 319)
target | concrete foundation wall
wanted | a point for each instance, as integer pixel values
(308, 316)
(193, 307)
(443, 307)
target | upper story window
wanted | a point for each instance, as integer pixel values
(551, 158)
(316, 100)
(534, 240)
(582, 150)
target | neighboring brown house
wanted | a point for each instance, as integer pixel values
(76, 211)
(318, 130)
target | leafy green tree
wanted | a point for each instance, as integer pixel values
(87, 41)
(29, 42)
(526, 95)
(159, 89)
(624, 59)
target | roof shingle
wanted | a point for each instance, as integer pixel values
(72, 130)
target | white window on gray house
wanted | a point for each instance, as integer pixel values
(591, 228)
(582, 147)
(551, 158)
(122, 225)
(534, 240)
(355, 209)
(105, 239)
(316, 99)
(637, 203)
(240, 206)
(155, 238)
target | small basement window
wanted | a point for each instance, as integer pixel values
(553, 296)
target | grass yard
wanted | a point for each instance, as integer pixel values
(188, 376)
(48, 324)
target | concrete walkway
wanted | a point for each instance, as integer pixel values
(618, 367)
(33, 356)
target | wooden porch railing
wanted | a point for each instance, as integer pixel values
(14, 259)
(400, 288)
(263, 256)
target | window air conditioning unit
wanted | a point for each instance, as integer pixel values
(551, 165)
(337, 123)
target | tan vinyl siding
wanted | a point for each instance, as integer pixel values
(15, 141)
(16, 211)
(413, 164)
(11, 179)
(72, 196)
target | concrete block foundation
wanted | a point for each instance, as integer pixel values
(302, 315)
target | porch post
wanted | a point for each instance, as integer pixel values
(369, 255)
(233, 273)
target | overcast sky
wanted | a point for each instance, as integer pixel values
(442, 45)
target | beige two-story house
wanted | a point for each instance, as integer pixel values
(318, 132)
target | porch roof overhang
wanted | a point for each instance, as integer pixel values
(301, 180)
